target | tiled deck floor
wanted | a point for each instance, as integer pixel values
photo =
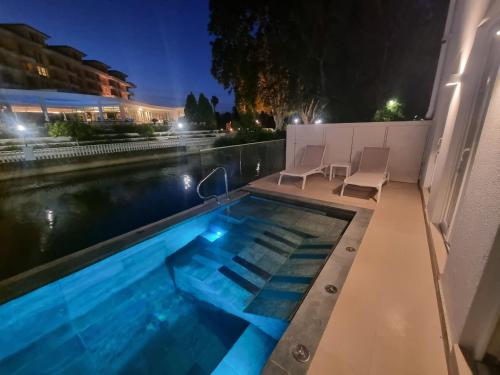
(386, 320)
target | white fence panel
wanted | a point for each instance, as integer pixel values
(407, 146)
(339, 141)
(307, 135)
(346, 141)
(365, 136)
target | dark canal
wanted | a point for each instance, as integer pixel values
(49, 217)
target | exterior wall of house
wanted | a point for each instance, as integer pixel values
(27, 62)
(469, 282)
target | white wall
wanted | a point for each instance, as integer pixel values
(466, 16)
(473, 239)
(345, 142)
(470, 282)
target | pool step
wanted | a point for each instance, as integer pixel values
(248, 355)
(280, 304)
(293, 230)
(308, 256)
(278, 232)
(239, 280)
(317, 245)
(265, 223)
(271, 247)
(252, 267)
(283, 293)
(250, 231)
(245, 235)
(301, 267)
(255, 268)
(280, 297)
(223, 278)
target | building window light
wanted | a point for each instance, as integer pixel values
(42, 71)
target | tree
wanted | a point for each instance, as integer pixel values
(191, 108)
(392, 110)
(328, 58)
(214, 101)
(205, 112)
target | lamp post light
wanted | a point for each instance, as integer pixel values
(180, 125)
(318, 121)
(296, 120)
(22, 129)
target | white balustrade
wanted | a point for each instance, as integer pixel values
(101, 149)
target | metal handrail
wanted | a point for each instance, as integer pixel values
(213, 196)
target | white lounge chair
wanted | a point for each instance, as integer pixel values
(311, 163)
(372, 171)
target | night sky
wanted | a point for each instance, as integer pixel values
(163, 45)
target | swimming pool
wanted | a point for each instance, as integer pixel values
(214, 292)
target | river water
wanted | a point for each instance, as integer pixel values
(43, 219)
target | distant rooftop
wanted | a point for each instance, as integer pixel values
(97, 64)
(21, 29)
(118, 74)
(69, 51)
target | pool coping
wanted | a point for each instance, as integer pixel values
(311, 318)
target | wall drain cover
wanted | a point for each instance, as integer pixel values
(332, 289)
(350, 249)
(301, 353)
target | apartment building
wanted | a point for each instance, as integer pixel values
(28, 62)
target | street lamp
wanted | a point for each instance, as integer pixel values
(22, 129)
(180, 125)
(295, 120)
(318, 121)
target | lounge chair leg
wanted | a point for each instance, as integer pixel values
(342, 191)
(304, 182)
(279, 181)
(379, 191)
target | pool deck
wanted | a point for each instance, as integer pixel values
(386, 320)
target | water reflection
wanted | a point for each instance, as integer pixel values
(46, 218)
(187, 179)
(49, 214)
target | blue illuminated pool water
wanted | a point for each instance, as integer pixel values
(210, 295)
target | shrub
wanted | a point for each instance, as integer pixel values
(249, 136)
(145, 130)
(77, 131)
